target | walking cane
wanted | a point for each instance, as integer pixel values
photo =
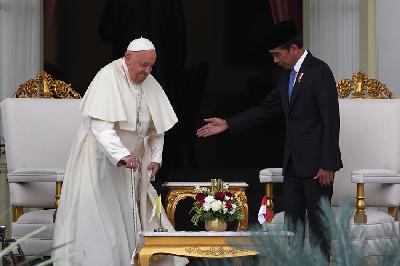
(134, 215)
(134, 260)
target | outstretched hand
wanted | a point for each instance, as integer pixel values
(214, 126)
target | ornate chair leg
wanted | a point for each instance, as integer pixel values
(393, 211)
(360, 217)
(58, 196)
(17, 211)
(269, 203)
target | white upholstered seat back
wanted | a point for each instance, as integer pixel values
(39, 134)
(369, 138)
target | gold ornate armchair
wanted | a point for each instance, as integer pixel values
(39, 124)
(370, 146)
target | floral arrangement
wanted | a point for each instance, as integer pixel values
(216, 203)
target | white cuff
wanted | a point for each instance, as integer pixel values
(156, 143)
(109, 141)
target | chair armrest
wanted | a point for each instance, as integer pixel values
(378, 176)
(36, 175)
(273, 175)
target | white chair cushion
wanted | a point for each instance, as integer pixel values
(33, 195)
(36, 175)
(34, 247)
(31, 221)
(37, 217)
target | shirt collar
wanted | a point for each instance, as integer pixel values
(128, 77)
(299, 62)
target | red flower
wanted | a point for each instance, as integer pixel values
(229, 194)
(200, 202)
(219, 195)
(200, 197)
(228, 204)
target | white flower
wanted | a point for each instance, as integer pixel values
(204, 190)
(227, 198)
(206, 206)
(216, 205)
(197, 189)
(226, 186)
(224, 208)
(209, 199)
(233, 209)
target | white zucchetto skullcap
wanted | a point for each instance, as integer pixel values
(140, 44)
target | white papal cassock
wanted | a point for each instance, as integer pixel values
(95, 217)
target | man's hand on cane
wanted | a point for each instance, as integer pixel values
(130, 162)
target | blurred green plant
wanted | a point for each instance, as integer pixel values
(272, 252)
(31, 260)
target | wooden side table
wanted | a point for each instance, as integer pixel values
(178, 191)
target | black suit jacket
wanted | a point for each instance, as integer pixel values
(312, 118)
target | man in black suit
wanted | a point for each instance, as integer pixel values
(306, 92)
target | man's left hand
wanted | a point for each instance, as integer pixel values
(154, 167)
(325, 177)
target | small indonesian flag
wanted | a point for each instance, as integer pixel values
(264, 214)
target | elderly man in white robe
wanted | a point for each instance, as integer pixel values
(125, 115)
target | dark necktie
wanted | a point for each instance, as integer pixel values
(291, 82)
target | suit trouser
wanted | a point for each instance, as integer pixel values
(303, 194)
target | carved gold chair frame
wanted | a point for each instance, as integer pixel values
(44, 86)
(360, 87)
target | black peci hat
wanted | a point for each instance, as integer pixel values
(279, 34)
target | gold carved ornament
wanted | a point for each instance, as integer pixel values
(45, 87)
(241, 196)
(214, 251)
(360, 87)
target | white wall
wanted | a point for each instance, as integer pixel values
(20, 43)
(334, 34)
(388, 44)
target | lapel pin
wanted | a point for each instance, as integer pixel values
(299, 76)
